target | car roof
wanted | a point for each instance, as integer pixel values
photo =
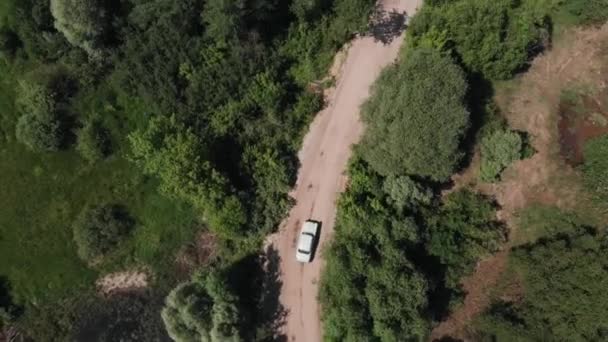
(305, 242)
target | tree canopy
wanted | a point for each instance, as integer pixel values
(415, 121)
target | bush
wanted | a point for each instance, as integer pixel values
(495, 38)
(99, 229)
(203, 309)
(499, 150)
(404, 192)
(595, 167)
(415, 120)
(40, 132)
(587, 12)
(94, 141)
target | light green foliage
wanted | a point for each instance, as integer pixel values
(405, 192)
(564, 299)
(94, 141)
(499, 150)
(495, 38)
(172, 152)
(463, 230)
(99, 229)
(82, 22)
(416, 120)
(202, 310)
(370, 290)
(595, 167)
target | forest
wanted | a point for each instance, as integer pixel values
(130, 129)
(409, 232)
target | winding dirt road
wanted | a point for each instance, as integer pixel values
(324, 156)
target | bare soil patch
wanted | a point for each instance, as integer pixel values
(120, 282)
(536, 106)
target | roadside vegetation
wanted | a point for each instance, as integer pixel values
(410, 233)
(128, 129)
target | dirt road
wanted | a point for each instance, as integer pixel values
(324, 156)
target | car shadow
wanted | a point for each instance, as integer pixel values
(315, 243)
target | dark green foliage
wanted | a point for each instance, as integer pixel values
(463, 230)
(203, 309)
(370, 290)
(495, 38)
(43, 125)
(121, 317)
(588, 12)
(499, 150)
(416, 120)
(595, 167)
(565, 278)
(99, 229)
(94, 141)
(8, 310)
(9, 42)
(82, 22)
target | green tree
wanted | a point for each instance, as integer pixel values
(370, 290)
(416, 120)
(463, 230)
(99, 229)
(82, 22)
(564, 297)
(499, 150)
(94, 141)
(595, 167)
(203, 309)
(495, 38)
(171, 151)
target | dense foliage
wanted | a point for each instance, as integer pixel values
(564, 278)
(595, 166)
(495, 38)
(499, 150)
(203, 309)
(370, 289)
(461, 231)
(99, 229)
(415, 121)
(94, 141)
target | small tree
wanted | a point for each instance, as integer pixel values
(99, 229)
(94, 141)
(498, 150)
(405, 192)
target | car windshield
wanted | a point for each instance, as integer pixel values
(303, 251)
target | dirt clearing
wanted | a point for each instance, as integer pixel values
(538, 103)
(122, 282)
(324, 156)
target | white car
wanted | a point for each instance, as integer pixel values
(306, 241)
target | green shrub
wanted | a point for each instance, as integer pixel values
(496, 38)
(416, 120)
(563, 297)
(499, 150)
(595, 167)
(370, 290)
(94, 141)
(463, 230)
(405, 192)
(203, 309)
(99, 229)
(40, 132)
(9, 42)
(587, 12)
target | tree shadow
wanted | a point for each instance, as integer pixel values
(273, 314)
(386, 26)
